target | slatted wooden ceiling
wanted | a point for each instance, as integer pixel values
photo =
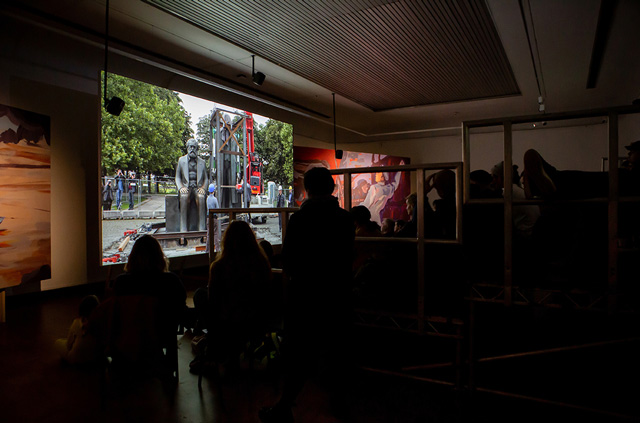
(379, 53)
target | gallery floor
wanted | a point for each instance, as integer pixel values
(36, 387)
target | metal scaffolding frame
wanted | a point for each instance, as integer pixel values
(227, 144)
(421, 322)
(508, 294)
(612, 201)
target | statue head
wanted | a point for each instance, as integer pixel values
(192, 148)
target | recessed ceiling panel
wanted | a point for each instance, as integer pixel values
(381, 54)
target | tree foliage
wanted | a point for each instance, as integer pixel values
(203, 136)
(187, 134)
(274, 144)
(150, 133)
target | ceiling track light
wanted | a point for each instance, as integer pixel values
(534, 51)
(257, 77)
(115, 105)
(541, 104)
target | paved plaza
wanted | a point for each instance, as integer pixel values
(151, 212)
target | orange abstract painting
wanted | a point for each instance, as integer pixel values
(25, 197)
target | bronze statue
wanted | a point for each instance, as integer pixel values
(192, 181)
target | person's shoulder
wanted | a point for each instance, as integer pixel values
(127, 283)
(344, 214)
(223, 269)
(123, 278)
(165, 283)
(296, 215)
(170, 277)
(77, 323)
(518, 192)
(175, 280)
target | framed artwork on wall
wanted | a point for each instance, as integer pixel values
(383, 193)
(25, 198)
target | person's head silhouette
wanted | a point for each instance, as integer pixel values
(147, 256)
(318, 182)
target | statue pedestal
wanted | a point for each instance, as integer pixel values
(172, 213)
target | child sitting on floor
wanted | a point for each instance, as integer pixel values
(79, 347)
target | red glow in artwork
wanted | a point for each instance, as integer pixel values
(382, 193)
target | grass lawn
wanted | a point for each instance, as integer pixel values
(125, 202)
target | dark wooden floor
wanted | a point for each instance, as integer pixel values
(35, 387)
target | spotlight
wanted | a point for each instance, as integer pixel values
(339, 154)
(114, 106)
(541, 104)
(257, 77)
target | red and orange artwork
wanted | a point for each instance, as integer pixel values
(25, 197)
(383, 193)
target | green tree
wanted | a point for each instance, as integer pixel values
(203, 136)
(274, 144)
(149, 134)
(188, 131)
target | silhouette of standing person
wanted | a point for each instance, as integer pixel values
(280, 203)
(107, 196)
(120, 180)
(318, 251)
(131, 192)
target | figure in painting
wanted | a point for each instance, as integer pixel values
(359, 193)
(379, 194)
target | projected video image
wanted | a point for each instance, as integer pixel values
(169, 158)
